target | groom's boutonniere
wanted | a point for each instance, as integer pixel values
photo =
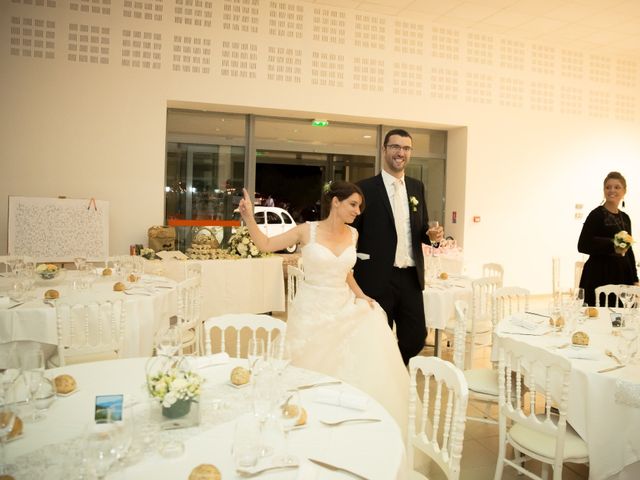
(413, 201)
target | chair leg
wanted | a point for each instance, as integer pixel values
(545, 471)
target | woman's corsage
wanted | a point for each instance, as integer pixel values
(326, 188)
(413, 201)
(622, 241)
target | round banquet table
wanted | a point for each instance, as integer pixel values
(604, 408)
(374, 450)
(149, 305)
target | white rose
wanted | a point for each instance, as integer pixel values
(245, 241)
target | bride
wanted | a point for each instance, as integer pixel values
(332, 326)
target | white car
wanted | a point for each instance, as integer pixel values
(273, 221)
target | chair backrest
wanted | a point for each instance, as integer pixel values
(295, 275)
(230, 333)
(608, 295)
(192, 269)
(493, 270)
(460, 334)
(440, 433)
(90, 331)
(189, 300)
(507, 301)
(546, 376)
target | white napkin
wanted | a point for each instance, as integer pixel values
(530, 322)
(4, 302)
(340, 399)
(210, 360)
(582, 353)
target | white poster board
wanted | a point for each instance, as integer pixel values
(58, 229)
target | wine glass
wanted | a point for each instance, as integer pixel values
(43, 397)
(100, 450)
(79, 262)
(7, 421)
(32, 366)
(555, 312)
(291, 415)
(255, 353)
(9, 367)
(432, 231)
(168, 341)
(280, 355)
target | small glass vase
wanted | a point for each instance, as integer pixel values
(179, 409)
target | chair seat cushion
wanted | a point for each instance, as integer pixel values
(545, 445)
(482, 380)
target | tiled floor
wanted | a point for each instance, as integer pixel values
(480, 449)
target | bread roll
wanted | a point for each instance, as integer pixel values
(240, 376)
(119, 287)
(592, 311)
(580, 338)
(106, 272)
(65, 384)
(51, 294)
(205, 472)
(132, 278)
(6, 477)
(17, 426)
(559, 322)
(292, 411)
(444, 276)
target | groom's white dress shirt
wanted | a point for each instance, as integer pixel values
(400, 207)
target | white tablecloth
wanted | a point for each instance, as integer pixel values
(253, 285)
(145, 314)
(375, 450)
(440, 297)
(611, 429)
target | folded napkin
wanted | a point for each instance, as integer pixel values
(210, 360)
(528, 321)
(582, 353)
(4, 302)
(340, 399)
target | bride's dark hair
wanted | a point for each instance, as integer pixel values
(341, 190)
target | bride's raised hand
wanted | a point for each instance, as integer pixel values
(245, 207)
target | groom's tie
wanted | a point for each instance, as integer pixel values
(400, 220)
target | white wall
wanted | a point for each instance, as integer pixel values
(517, 158)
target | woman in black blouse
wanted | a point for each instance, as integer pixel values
(606, 264)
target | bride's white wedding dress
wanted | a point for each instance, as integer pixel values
(329, 331)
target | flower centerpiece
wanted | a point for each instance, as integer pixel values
(176, 389)
(148, 253)
(47, 271)
(622, 241)
(241, 245)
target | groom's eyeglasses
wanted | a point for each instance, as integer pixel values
(396, 148)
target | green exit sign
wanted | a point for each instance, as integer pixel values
(319, 123)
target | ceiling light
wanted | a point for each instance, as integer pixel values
(366, 136)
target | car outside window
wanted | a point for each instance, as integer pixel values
(259, 218)
(287, 218)
(273, 218)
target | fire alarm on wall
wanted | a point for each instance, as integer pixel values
(476, 219)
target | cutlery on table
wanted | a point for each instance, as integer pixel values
(333, 423)
(609, 353)
(15, 305)
(250, 472)
(317, 384)
(611, 369)
(48, 302)
(335, 468)
(136, 293)
(537, 314)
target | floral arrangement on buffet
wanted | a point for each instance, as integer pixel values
(240, 246)
(148, 253)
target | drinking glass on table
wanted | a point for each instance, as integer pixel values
(255, 354)
(557, 321)
(43, 397)
(100, 447)
(32, 366)
(79, 262)
(279, 355)
(246, 441)
(7, 422)
(291, 414)
(168, 341)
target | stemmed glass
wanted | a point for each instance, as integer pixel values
(291, 414)
(555, 312)
(279, 355)
(255, 353)
(43, 397)
(32, 366)
(168, 341)
(79, 262)
(627, 297)
(100, 447)
(246, 441)
(9, 367)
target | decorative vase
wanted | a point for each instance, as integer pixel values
(179, 409)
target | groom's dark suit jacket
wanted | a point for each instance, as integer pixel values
(377, 234)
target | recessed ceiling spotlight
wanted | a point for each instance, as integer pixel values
(366, 136)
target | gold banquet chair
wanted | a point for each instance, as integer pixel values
(231, 333)
(536, 433)
(88, 332)
(440, 431)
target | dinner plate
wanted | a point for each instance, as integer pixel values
(238, 386)
(66, 394)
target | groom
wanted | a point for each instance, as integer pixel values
(392, 229)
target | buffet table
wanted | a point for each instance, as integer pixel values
(599, 407)
(53, 447)
(149, 304)
(254, 285)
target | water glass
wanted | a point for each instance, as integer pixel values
(279, 355)
(100, 450)
(43, 397)
(168, 341)
(255, 353)
(291, 414)
(246, 441)
(7, 421)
